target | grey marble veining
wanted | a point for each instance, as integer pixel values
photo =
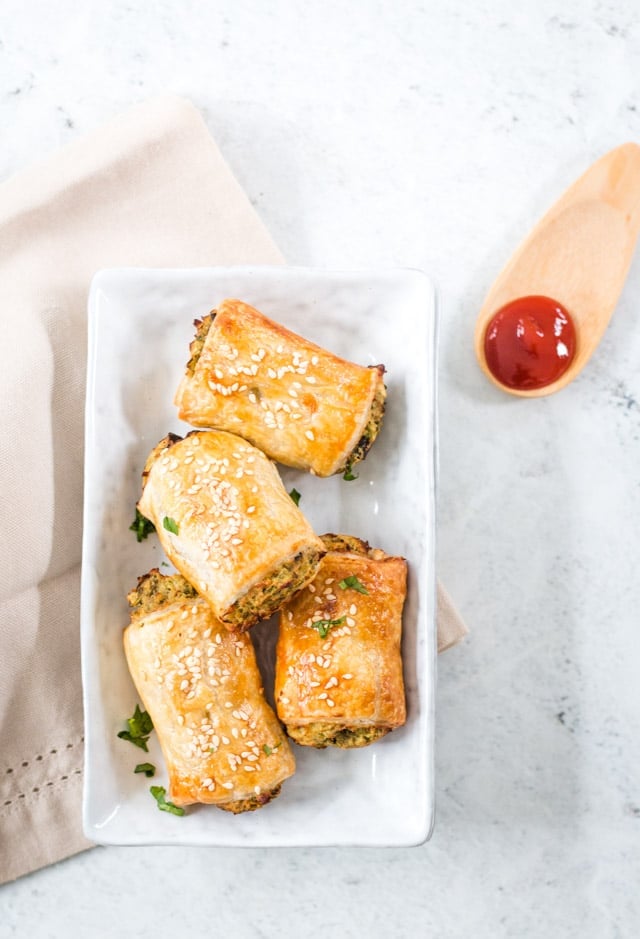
(430, 135)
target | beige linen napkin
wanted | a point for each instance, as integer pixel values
(148, 189)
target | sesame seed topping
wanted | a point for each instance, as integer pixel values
(353, 609)
(333, 681)
(181, 719)
(226, 741)
(284, 700)
(257, 790)
(314, 359)
(227, 785)
(350, 621)
(228, 704)
(310, 379)
(330, 702)
(322, 696)
(309, 435)
(347, 676)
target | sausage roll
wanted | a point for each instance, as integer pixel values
(221, 741)
(228, 525)
(338, 663)
(301, 405)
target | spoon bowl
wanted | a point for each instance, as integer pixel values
(578, 254)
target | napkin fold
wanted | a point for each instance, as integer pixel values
(149, 189)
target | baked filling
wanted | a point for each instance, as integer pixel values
(263, 599)
(372, 428)
(321, 735)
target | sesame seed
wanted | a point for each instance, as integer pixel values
(234, 732)
(207, 781)
(314, 684)
(330, 702)
(226, 741)
(314, 359)
(243, 732)
(228, 704)
(283, 699)
(333, 681)
(350, 621)
(181, 719)
(309, 435)
(184, 685)
(326, 663)
(227, 785)
(292, 393)
(322, 696)
(311, 588)
(353, 609)
(347, 676)
(271, 373)
(257, 790)
(218, 638)
(249, 769)
(310, 379)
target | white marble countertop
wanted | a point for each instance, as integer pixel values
(430, 135)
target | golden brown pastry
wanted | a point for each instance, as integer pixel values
(227, 523)
(300, 404)
(221, 741)
(338, 662)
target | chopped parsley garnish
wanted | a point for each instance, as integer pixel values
(147, 768)
(295, 495)
(348, 474)
(170, 525)
(159, 793)
(269, 750)
(140, 726)
(352, 582)
(141, 525)
(324, 625)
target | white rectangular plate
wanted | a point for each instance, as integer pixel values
(140, 326)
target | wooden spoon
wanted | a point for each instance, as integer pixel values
(578, 254)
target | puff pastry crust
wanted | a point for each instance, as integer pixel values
(228, 525)
(301, 405)
(221, 741)
(345, 689)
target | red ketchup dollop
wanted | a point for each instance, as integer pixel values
(529, 343)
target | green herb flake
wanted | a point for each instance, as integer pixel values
(352, 583)
(324, 625)
(140, 726)
(295, 495)
(348, 474)
(142, 526)
(170, 525)
(147, 768)
(269, 750)
(159, 793)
